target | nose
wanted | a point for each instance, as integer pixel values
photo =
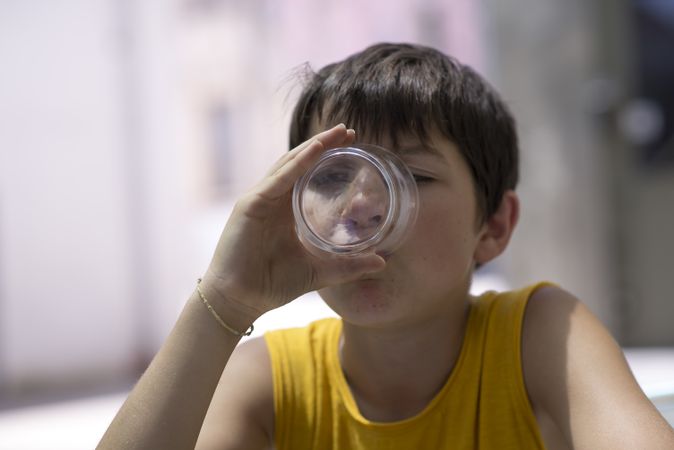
(364, 210)
(365, 205)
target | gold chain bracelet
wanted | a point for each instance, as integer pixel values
(218, 318)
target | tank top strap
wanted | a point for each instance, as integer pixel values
(496, 340)
(300, 379)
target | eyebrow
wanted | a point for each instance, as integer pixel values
(419, 149)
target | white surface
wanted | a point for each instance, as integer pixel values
(654, 370)
(64, 426)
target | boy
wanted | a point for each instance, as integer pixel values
(415, 361)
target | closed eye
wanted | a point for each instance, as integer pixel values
(330, 181)
(422, 179)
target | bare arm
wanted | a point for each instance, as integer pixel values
(577, 373)
(166, 408)
(258, 265)
(244, 401)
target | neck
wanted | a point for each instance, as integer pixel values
(393, 374)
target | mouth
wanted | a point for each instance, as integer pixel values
(384, 255)
(368, 280)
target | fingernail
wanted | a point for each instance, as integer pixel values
(341, 125)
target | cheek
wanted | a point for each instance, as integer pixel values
(322, 212)
(443, 232)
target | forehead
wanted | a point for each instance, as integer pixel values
(408, 145)
(437, 149)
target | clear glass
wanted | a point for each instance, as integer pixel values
(354, 200)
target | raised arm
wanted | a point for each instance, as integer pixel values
(258, 265)
(578, 378)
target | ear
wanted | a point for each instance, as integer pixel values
(496, 231)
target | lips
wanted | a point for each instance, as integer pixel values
(384, 255)
(354, 230)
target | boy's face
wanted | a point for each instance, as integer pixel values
(434, 265)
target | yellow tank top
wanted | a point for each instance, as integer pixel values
(483, 404)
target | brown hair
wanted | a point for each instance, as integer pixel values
(410, 89)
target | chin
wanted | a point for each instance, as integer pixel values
(364, 303)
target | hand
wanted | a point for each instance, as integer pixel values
(259, 263)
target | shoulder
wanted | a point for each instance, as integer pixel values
(551, 315)
(249, 374)
(576, 373)
(559, 334)
(241, 414)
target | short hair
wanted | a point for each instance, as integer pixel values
(402, 89)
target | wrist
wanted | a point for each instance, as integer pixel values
(233, 315)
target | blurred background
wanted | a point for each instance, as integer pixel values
(129, 128)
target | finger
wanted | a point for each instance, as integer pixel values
(350, 137)
(334, 137)
(327, 137)
(281, 182)
(288, 156)
(303, 160)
